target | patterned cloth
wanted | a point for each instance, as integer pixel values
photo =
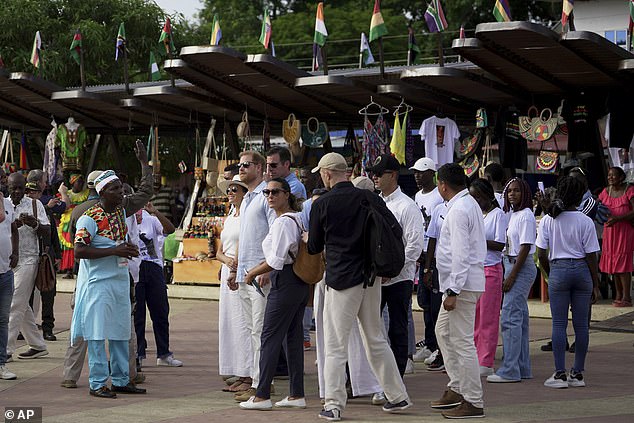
(410, 142)
(109, 225)
(52, 165)
(64, 230)
(375, 140)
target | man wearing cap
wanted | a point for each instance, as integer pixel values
(102, 300)
(428, 295)
(337, 225)
(396, 293)
(30, 227)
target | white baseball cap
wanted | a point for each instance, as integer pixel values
(423, 164)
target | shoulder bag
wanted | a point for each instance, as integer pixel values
(308, 267)
(547, 161)
(45, 279)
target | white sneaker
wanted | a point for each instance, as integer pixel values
(558, 381)
(422, 354)
(575, 380)
(486, 371)
(250, 404)
(431, 358)
(379, 398)
(5, 374)
(499, 379)
(409, 368)
(296, 403)
(169, 361)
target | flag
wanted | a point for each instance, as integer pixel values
(377, 25)
(631, 27)
(435, 17)
(566, 11)
(37, 47)
(321, 33)
(121, 42)
(365, 50)
(462, 33)
(317, 56)
(23, 161)
(265, 34)
(76, 46)
(272, 48)
(155, 74)
(166, 37)
(502, 11)
(216, 33)
(412, 47)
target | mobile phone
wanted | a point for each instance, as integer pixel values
(540, 186)
(255, 284)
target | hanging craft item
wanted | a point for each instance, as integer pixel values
(244, 131)
(210, 154)
(470, 165)
(470, 144)
(315, 133)
(266, 136)
(540, 127)
(547, 161)
(9, 163)
(481, 118)
(198, 170)
(350, 147)
(182, 166)
(486, 152)
(291, 129)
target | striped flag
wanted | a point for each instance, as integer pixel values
(36, 59)
(76, 46)
(365, 50)
(631, 27)
(377, 25)
(435, 17)
(321, 33)
(216, 32)
(412, 47)
(502, 11)
(155, 74)
(566, 11)
(267, 31)
(121, 42)
(166, 37)
(24, 164)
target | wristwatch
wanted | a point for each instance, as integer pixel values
(451, 293)
(425, 271)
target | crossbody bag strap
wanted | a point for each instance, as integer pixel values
(301, 229)
(39, 238)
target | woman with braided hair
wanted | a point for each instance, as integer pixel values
(519, 275)
(567, 247)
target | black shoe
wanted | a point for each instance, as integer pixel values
(437, 365)
(548, 346)
(572, 348)
(32, 353)
(20, 337)
(103, 392)
(49, 336)
(391, 408)
(128, 389)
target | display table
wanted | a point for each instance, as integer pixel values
(194, 271)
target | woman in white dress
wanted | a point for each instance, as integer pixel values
(234, 339)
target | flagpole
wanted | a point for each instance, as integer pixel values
(409, 57)
(360, 60)
(324, 58)
(441, 56)
(169, 55)
(381, 57)
(125, 69)
(82, 74)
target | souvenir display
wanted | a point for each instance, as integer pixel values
(291, 129)
(470, 165)
(470, 144)
(314, 133)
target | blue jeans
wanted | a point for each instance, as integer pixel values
(6, 295)
(98, 363)
(516, 364)
(570, 285)
(307, 322)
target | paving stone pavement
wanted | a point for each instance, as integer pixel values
(193, 394)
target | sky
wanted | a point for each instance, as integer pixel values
(187, 7)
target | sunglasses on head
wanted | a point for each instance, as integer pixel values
(273, 191)
(273, 165)
(245, 164)
(232, 189)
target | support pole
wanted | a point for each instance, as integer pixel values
(441, 55)
(126, 79)
(324, 59)
(381, 57)
(82, 74)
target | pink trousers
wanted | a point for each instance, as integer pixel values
(487, 318)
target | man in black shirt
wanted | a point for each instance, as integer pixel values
(337, 223)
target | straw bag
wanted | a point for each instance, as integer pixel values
(243, 127)
(308, 267)
(315, 133)
(291, 129)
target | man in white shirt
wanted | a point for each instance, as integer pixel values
(21, 318)
(396, 292)
(8, 260)
(460, 261)
(256, 217)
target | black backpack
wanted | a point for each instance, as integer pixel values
(383, 243)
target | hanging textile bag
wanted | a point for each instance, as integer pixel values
(469, 145)
(315, 133)
(470, 165)
(547, 161)
(291, 129)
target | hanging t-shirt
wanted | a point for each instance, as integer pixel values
(522, 230)
(151, 239)
(571, 235)
(426, 202)
(439, 135)
(494, 230)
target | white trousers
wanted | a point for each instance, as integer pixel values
(253, 306)
(21, 318)
(342, 309)
(454, 331)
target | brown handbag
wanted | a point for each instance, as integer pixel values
(45, 278)
(308, 267)
(291, 129)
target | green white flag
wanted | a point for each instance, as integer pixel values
(155, 74)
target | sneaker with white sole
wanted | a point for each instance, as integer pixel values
(250, 404)
(5, 374)
(422, 354)
(389, 407)
(486, 371)
(437, 365)
(169, 361)
(288, 403)
(409, 368)
(558, 380)
(575, 380)
(499, 379)
(431, 358)
(378, 398)
(333, 415)
(32, 353)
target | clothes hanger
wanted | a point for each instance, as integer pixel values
(440, 113)
(398, 112)
(366, 110)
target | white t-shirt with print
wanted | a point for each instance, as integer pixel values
(439, 150)
(570, 236)
(494, 230)
(522, 230)
(5, 236)
(151, 239)
(426, 202)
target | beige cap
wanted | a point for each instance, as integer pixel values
(91, 178)
(332, 161)
(223, 185)
(363, 182)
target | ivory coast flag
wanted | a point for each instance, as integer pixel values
(377, 26)
(321, 33)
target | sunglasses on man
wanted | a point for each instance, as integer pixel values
(245, 165)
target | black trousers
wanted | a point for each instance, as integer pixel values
(151, 291)
(283, 327)
(397, 297)
(430, 300)
(48, 316)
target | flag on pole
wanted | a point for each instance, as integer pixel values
(365, 50)
(412, 47)
(566, 11)
(317, 57)
(216, 32)
(377, 25)
(265, 34)
(121, 42)
(76, 46)
(273, 49)
(435, 17)
(23, 161)
(462, 33)
(166, 37)
(321, 33)
(155, 74)
(36, 60)
(631, 27)
(502, 11)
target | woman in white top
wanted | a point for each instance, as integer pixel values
(234, 339)
(519, 274)
(286, 301)
(567, 248)
(487, 320)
